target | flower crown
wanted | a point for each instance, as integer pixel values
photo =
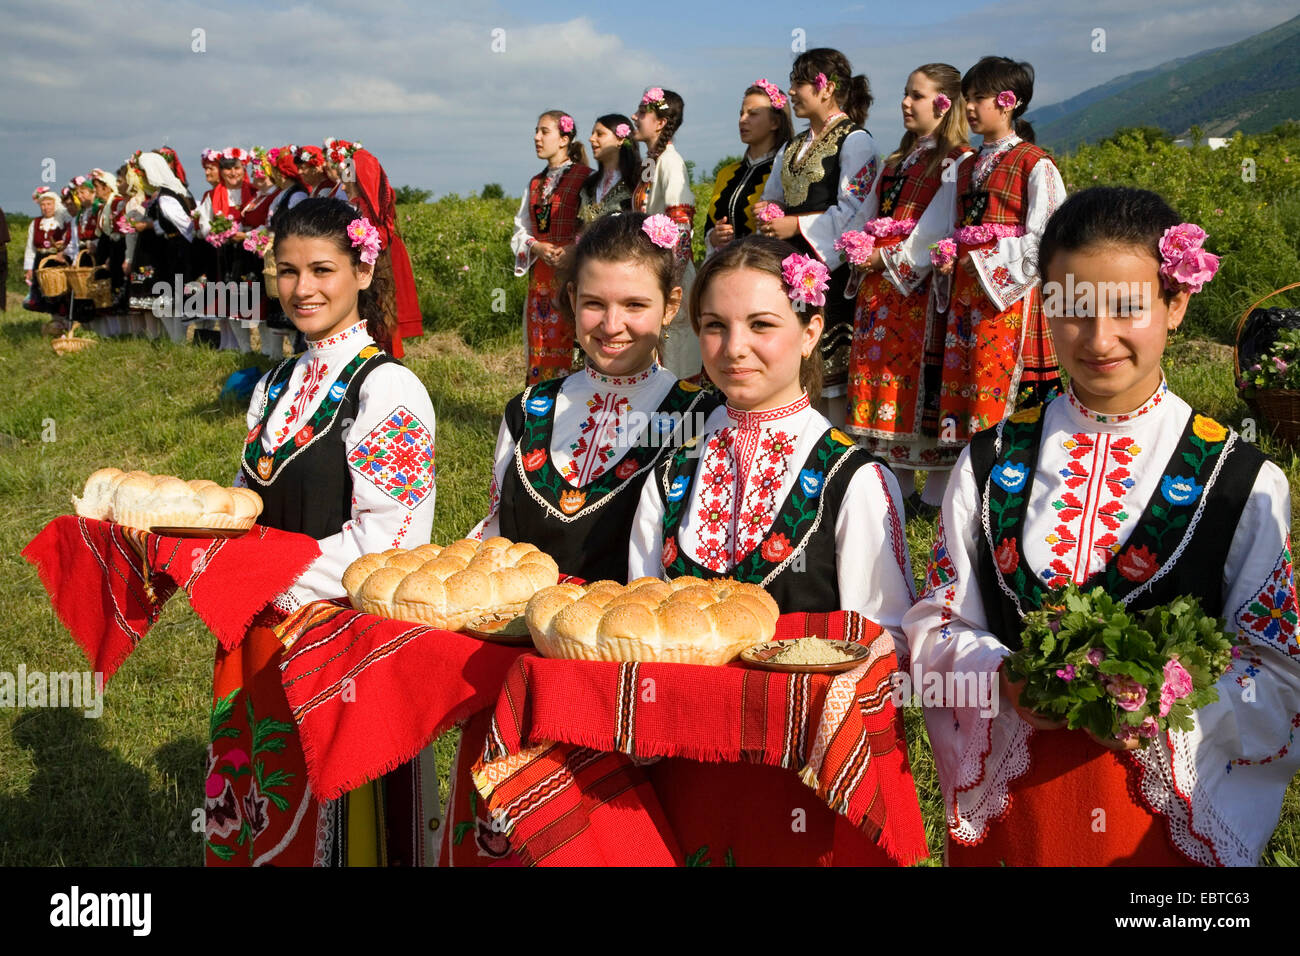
(663, 232)
(1007, 100)
(43, 191)
(1184, 262)
(806, 278)
(235, 153)
(365, 237)
(566, 124)
(309, 156)
(80, 181)
(210, 157)
(654, 99)
(773, 92)
(339, 151)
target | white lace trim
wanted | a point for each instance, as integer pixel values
(996, 757)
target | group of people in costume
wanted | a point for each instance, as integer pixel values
(176, 261)
(629, 466)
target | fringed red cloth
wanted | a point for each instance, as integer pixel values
(565, 766)
(108, 583)
(368, 693)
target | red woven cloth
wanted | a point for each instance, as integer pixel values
(563, 769)
(368, 693)
(96, 579)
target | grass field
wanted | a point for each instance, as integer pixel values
(123, 789)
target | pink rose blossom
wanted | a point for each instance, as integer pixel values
(807, 279)
(1007, 99)
(652, 96)
(771, 212)
(622, 131)
(663, 232)
(821, 82)
(566, 124)
(1177, 685)
(1280, 364)
(886, 226)
(773, 92)
(978, 235)
(942, 102)
(1095, 656)
(1067, 673)
(1128, 694)
(856, 246)
(942, 252)
(1126, 733)
(1185, 262)
(1149, 728)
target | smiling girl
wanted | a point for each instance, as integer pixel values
(1118, 484)
(572, 453)
(545, 225)
(771, 493)
(340, 447)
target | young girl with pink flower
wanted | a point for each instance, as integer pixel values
(1117, 484)
(608, 190)
(771, 492)
(545, 226)
(898, 336)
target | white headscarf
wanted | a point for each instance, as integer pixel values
(159, 174)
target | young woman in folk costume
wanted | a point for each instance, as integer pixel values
(53, 233)
(826, 174)
(340, 446)
(337, 152)
(998, 349)
(110, 246)
(287, 179)
(608, 190)
(665, 189)
(369, 189)
(1120, 484)
(545, 225)
(87, 226)
(254, 221)
(771, 493)
(898, 333)
(225, 262)
(765, 126)
(571, 453)
(163, 248)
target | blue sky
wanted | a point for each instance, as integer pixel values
(419, 84)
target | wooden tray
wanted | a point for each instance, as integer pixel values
(173, 532)
(757, 656)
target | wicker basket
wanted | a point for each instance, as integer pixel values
(69, 343)
(1278, 407)
(52, 276)
(79, 276)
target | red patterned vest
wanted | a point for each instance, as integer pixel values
(1005, 193)
(43, 240)
(906, 196)
(556, 220)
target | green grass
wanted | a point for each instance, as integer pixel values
(123, 789)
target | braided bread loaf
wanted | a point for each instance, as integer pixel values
(138, 499)
(450, 587)
(686, 620)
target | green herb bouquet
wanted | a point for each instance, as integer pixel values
(1125, 676)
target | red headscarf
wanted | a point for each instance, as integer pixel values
(285, 165)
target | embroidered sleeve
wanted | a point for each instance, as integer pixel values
(29, 254)
(908, 263)
(645, 550)
(855, 202)
(1236, 764)
(871, 559)
(1009, 269)
(502, 460)
(390, 453)
(521, 240)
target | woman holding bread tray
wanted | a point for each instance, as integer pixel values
(340, 446)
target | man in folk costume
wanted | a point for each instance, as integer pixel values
(53, 234)
(378, 203)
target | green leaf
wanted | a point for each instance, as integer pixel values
(458, 833)
(699, 857)
(221, 852)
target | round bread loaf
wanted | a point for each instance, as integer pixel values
(141, 500)
(450, 587)
(686, 620)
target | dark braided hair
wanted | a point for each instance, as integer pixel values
(993, 74)
(672, 113)
(852, 93)
(1108, 215)
(329, 219)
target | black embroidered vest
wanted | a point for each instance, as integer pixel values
(1178, 547)
(586, 529)
(812, 184)
(306, 484)
(796, 560)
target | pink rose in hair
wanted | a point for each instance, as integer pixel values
(566, 124)
(622, 131)
(663, 232)
(1007, 99)
(807, 278)
(821, 82)
(1185, 261)
(942, 102)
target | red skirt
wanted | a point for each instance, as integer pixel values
(1078, 805)
(549, 335)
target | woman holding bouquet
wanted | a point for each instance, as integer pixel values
(1116, 484)
(545, 226)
